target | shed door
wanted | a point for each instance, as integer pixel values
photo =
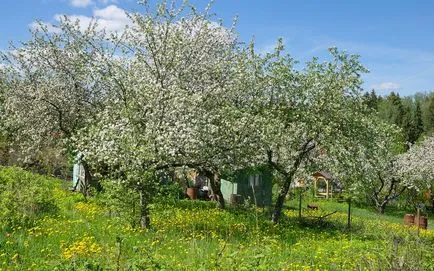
(254, 180)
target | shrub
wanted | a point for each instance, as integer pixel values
(24, 197)
(121, 201)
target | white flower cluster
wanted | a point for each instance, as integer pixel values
(417, 165)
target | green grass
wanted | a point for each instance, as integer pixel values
(193, 235)
(392, 214)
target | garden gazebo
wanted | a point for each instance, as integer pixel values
(325, 177)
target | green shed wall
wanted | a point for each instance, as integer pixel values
(241, 185)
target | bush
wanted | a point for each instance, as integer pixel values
(121, 201)
(124, 202)
(170, 191)
(24, 197)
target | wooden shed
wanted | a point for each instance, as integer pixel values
(254, 185)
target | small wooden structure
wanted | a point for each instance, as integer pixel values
(255, 185)
(327, 179)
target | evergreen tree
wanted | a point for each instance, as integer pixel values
(417, 123)
(406, 124)
(371, 99)
(397, 111)
(429, 116)
(414, 114)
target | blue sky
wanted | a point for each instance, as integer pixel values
(394, 38)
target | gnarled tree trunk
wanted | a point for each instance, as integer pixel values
(215, 181)
(385, 193)
(84, 185)
(288, 177)
(281, 199)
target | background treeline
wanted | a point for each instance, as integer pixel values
(413, 114)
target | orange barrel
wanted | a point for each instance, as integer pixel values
(409, 220)
(192, 192)
(423, 222)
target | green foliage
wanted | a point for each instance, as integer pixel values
(417, 128)
(372, 100)
(411, 198)
(170, 191)
(429, 114)
(121, 201)
(24, 197)
(414, 114)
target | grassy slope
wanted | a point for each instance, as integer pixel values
(195, 236)
(392, 215)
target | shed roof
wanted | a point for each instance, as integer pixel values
(324, 174)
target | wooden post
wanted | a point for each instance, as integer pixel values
(418, 220)
(254, 195)
(314, 187)
(331, 190)
(349, 214)
(299, 204)
(327, 188)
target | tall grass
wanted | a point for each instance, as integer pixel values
(194, 235)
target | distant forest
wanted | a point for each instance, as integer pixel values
(414, 114)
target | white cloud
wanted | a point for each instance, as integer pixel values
(110, 18)
(386, 86)
(111, 12)
(80, 3)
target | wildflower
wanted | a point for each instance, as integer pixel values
(85, 247)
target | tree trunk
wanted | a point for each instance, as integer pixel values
(281, 199)
(431, 198)
(432, 203)
(214, 179)
(145, 221)
(288, 176)
(84, 186)
(381, 209)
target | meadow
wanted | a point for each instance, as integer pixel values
(194, 235)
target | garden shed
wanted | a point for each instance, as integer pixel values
(252, 184)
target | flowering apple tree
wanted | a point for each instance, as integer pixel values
(417, 163)
(180, 97)
(417, 170)
(315, 118)
(376, 179)
(55, 89)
